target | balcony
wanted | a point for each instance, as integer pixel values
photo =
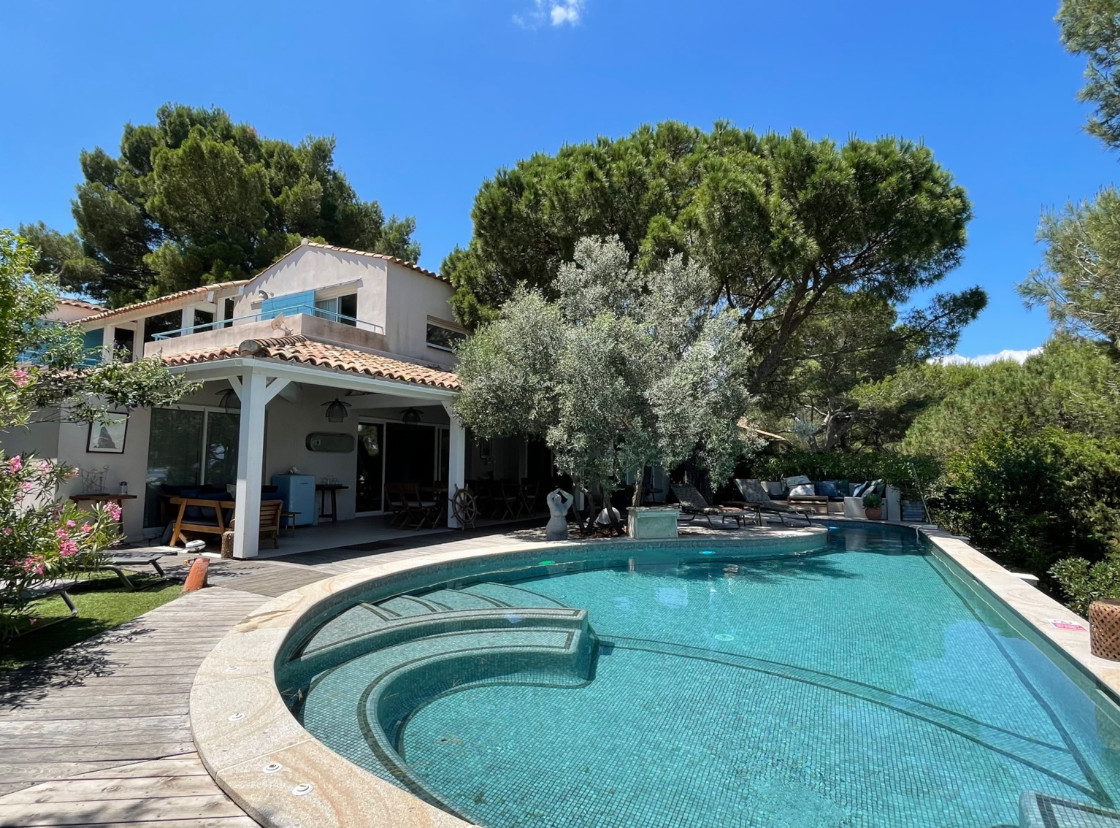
(304, 320)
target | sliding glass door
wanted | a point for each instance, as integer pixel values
(189, 447)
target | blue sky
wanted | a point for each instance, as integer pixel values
(427, 98)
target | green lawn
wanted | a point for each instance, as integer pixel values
(102, 602)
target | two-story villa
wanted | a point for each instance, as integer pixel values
(331, 362)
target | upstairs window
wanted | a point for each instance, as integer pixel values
(443, 337)
(342, 309)
(162, 323)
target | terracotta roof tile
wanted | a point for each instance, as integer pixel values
(171, 297)
(79, 303)
(393, 259)
(306, 351)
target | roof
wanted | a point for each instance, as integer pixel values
(79, 303)
(300, 349)
(393, 259)
(161, 300)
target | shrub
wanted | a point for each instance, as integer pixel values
(1032, 498)
(1083, 583)
(872, 500)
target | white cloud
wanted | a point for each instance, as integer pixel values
(566, 11)
(987, 359)
(554, 12)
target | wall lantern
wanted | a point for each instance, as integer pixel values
(411, 416)
(336, 410)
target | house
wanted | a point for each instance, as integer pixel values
(331, 362)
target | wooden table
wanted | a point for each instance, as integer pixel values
(333, 488)
(105, 497)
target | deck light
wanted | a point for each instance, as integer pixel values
(336, 410)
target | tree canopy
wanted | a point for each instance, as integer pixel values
(1079, 281)
(780, 223)
(195, 199)
(620, 371)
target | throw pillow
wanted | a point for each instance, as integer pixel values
(802, 490)
(798, 480)
(827, 488)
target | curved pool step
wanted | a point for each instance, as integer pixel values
(512, 595)
(412, 661)
(354, 626)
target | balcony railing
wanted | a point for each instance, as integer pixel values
(261, 316)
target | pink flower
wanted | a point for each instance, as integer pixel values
(67, 548)
(86, 527)
(20, 377)
(33, 563)
(114, 510)
(15, 464)
(70, 524)
(43, 465)
(28, 486)
(8, 530)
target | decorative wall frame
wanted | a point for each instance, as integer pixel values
(108, 436)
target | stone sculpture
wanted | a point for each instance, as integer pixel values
(559, 501)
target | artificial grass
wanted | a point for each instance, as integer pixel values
(103, 603)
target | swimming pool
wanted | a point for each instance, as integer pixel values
(849, 679)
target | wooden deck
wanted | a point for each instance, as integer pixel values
(99, 734)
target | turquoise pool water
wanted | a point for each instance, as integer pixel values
(856, 685)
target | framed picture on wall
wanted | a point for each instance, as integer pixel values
(107, 436)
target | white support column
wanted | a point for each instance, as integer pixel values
(107, 334)
(186, 320)
(250, 462)
(255, 389)
(457, 462)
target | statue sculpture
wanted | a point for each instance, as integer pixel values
(559, 501)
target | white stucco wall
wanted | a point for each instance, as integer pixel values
(286, 431)
(313, 268)
(413, 297)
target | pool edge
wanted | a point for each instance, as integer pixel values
(264, 760)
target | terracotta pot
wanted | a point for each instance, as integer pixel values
(873, 514)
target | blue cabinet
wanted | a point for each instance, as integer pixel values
(298, 493)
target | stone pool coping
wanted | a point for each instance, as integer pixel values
(282, 776)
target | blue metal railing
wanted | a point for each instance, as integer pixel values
(262, 316)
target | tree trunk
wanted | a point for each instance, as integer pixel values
(639, 487)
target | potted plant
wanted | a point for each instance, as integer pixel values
(873, 506)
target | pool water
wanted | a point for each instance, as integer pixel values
(859, 685)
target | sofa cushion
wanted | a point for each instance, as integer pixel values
(827, 488)
(798, 480)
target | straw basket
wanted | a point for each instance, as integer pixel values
(1104, 628)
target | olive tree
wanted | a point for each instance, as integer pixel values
(620, 371)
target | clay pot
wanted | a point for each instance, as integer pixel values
(873, 514)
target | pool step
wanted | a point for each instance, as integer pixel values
(1039, 810)
(362, 620)
(412, 660)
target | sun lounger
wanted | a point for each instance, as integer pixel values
(755, 496)
(693, 504)
(118, 560)
(60, 587)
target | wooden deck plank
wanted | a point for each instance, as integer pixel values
(89, 790)
(98, 812)
(185, 764)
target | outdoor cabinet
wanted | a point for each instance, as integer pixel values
(298, 493)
